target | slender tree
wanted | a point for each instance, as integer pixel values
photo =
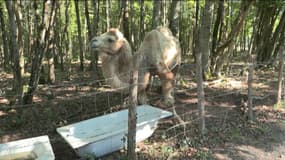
(201, 50)
(94, 56)
(173, 17)
(156, 14)
(220, 56)
(280, 74)
(80, 42)
(4, 39)
(142, 20)
(14, 48)
(42, 41)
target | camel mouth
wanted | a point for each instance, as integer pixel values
(94, 48)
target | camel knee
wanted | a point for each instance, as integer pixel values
(142, 99)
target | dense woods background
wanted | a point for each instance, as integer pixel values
(57, 33)
(44, 46)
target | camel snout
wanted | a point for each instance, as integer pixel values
(94, 44)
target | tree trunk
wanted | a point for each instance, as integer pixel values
(195, 29)
(126, 28)
(205, 33)
(42, 42)
(277, 36)
(202, 48)
(107, 14)
(156, 14)
(89, 29)
(266, 25)
(14, 35)
(280, 75)
(50, 56)
(94, 56)
(217, 25)
(51, 68)
(142, 23)
(67, 39)
(250, 89)
(132, 115)
(79, 36)
(221, 55)
(20, 40)
(173, 17)
(133, 27)
(4, 39)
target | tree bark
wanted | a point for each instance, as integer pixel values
(142, 23)
(132, 25)
(202, 47)
(107, 14)
(89, 29)
(173, 17)
(280, 75)
(217, 25)
(205, 33)
(80, 43)
(67, 39)
(267, 18)
(277, 36)
(250, 89)
(4, 40)
(132, 115)
(156, 14)
(221, 55)
(94, 56)
(42, 42)
(20, 40)
(126, 28)
(14, 35)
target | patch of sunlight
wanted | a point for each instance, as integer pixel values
(236, 84)
(251, 152)
(4, 101)
(2, 113)
(260, 85)
(220, 156)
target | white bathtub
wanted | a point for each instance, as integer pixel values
(108, 133)
(37, 148)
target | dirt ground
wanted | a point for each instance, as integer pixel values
(230, 136)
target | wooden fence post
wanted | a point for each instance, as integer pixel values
(249, 83)
(132, 117)
(280, 75)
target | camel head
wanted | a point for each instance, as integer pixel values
(109, 43)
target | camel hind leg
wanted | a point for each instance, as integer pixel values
(143, 84)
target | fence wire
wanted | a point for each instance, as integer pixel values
(42, 118)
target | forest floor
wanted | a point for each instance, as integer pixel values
(229, 135)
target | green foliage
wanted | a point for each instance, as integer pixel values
(279, 105)
(89, 157)
(204, 155)
(166, 150)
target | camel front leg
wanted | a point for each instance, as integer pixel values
(167, 82)
(143, 84)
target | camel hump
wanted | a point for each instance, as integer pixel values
(115, 32)
(160, 49)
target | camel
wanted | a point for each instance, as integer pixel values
(159, 54)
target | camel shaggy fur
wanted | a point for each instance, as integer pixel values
(159, 54)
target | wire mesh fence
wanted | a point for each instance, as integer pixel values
(226, 99)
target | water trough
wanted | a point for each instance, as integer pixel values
(108, 133)
(37, 148)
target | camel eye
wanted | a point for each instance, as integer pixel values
(110, 40)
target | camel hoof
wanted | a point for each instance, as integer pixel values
(142, 100)
(169, 101)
